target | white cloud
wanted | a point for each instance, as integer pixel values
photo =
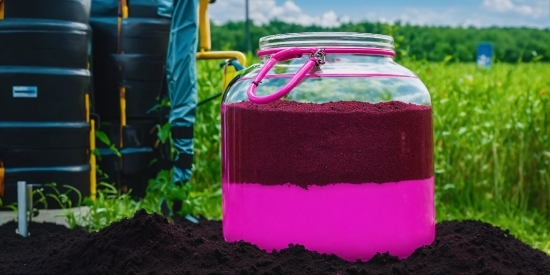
(262, 11)
(417, 16)
(465, 17)
(424, 16)
(499, 5)
(532, 13)
(532, 8)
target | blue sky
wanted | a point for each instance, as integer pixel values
(530, 13)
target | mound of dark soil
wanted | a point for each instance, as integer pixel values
(150, 244)
(16, 252)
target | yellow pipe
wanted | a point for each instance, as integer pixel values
(205, 42)
(204, 26)
(122, 112)
(122, 90)
(123, 14)
(125, 9)
(93, 163)
(223, 55)
(2, 9)
(2, 171)
(87, 102)
(122, 106)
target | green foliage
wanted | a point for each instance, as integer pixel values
(491, 133)
(102, 137)
(419, 42)
(63, 200)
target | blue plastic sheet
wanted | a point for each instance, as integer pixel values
(165, 7)
(181, 72)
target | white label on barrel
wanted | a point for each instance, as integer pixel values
(25, 91)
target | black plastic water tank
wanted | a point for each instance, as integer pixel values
(141, 98)
(143, 8)
(45, 153)
(135, 166)
(139, 66)
(137, 36)
(137, 133)
(136, 8)
(44, 43)
(104, 8)
(44, 79)
(141, 75)
(67, 10)
(43, 144)
(132, 171)
(43, 94)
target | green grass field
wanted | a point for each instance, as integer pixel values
(492, 150)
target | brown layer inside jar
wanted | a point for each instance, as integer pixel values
(320, 144)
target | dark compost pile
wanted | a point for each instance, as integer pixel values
(150, 244)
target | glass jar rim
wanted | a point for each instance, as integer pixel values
(327, 39)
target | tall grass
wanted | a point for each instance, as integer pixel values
(491, 133)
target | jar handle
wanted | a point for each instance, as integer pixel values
(317, 58)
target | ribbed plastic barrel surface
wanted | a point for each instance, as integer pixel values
(138, 35)
(44, 88)
(43, 94)
(42, 144)
(66, 10)
(44, 43)
(140, 74)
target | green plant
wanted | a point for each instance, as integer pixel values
(110, 205)
(12, 207)
(64, 201)
(102, 136)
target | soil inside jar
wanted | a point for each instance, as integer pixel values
(289, 165)
(319, 144)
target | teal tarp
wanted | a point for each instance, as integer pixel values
(181, 72)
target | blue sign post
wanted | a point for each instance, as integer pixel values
(484, 56)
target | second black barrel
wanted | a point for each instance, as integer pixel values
(44, 43)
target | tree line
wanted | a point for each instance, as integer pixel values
(511, 44)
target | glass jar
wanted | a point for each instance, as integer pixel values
(328, 143)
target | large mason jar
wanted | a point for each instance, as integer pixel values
(327, 143)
